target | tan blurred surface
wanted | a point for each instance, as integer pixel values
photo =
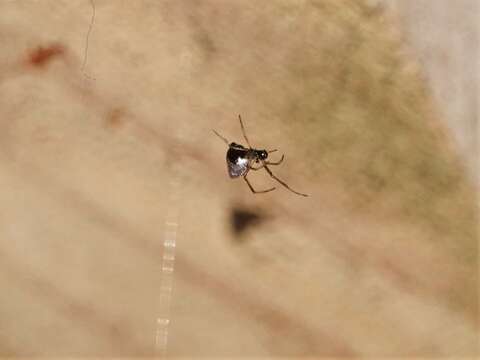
(99, 168)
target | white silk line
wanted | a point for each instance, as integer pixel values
(167, 271)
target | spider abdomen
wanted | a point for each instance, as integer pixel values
(238, 160)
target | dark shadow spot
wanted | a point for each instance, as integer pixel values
(205, 41)
(242, 219)
(201, 35)
(40, 56)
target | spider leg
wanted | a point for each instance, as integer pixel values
(253, 190)
(244, 132)
(251, 167)
(221, 137)
(236, 147)
(281, 182)
(275, 162)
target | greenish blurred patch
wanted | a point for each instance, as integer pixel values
(364, 117)
(364, 113)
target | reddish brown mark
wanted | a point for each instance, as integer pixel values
(40, 56)
(116, 118)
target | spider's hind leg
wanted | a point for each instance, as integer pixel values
(281, 182)
(221, 137)
(244, 132)
(255, 191)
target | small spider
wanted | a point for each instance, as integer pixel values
(241, 159)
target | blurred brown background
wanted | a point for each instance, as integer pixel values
(107, 158)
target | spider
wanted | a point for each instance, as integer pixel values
(241, 159)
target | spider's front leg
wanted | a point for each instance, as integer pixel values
(274, 162)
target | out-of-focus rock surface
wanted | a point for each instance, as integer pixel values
(106, 158)
(444, 37)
